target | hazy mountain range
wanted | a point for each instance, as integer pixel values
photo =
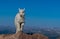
(52, 33)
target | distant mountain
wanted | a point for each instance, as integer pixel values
(51, 33)
(6, 29)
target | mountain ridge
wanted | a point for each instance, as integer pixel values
(21, 35)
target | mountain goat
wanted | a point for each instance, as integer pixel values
(19, 20)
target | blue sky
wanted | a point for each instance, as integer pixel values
(38, 13)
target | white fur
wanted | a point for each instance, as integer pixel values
(19, 19)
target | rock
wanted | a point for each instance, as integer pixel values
(21, 35)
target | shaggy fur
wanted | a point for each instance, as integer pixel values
(19, 20)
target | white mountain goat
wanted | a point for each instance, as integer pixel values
(19, 20)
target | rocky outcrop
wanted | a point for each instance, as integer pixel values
(21, 35)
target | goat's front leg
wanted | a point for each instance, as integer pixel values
(17, 27)
(22, 25)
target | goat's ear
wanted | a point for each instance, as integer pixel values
(19, 9)
(24, 8)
